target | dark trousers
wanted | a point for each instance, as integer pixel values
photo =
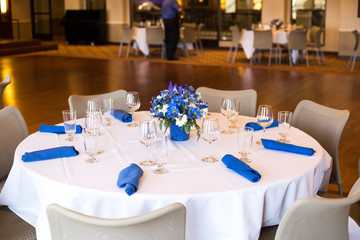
(172, 36)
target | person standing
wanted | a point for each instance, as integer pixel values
(170, 9)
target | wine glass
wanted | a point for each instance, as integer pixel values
(228, 110)
(147, 136)
(133, 104)
(284, 119)
(210, 131)
(108, 110)
(160, 153)
(245, 137)
(235, 117)
(93, 122)
(264, 117)
(93, 105)
(91, 141)
(69, 117)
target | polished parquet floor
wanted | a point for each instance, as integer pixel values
(42, 83)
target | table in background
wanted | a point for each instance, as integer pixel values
(220, 203)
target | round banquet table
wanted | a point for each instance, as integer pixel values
(220, 204)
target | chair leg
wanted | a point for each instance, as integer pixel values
(120, 49)
(197, 49)
(201, 46)
(128, 50)
(307, 57)
(353, 62)
(270, 51)
(340, 189)
(290, 57)
(229, 54)
(322, 55)
(318, 57)
(234, 55)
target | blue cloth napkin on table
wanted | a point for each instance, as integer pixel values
(57, 129)
(275, 145)
(122, 115)
(51, 153)
(241, 168)
(129, 177)
(257, 127)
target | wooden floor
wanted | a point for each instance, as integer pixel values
(42, 84)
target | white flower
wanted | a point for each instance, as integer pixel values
(204, 112)
(181, 121)
(164, 109)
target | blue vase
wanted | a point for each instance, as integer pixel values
(177, 134)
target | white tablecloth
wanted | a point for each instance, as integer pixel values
(139, 34)
(220, 204)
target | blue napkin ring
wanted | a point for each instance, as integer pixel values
(241, 168)
(129, 178)
(123, 116)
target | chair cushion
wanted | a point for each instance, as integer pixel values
(13, 227)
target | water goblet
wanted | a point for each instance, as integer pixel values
(147, 136)
(264, 117)
(160, 153)
(91, 141)
(284, 119)
(210, 132)
(93, 105)
(69, 117)
(133, 104)
(108, 111)
(228, 110)
(235, 117)
(93, 122)
(245, 137)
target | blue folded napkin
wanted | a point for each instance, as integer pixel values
(275, 145)
(57, 129)
(51, 153)
(241, 168)
(257, 127)
(122, 115)
(129, 177)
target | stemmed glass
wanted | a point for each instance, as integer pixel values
(108, 110)
(91, 141)
(228, 110)
(69, 117)
(210, 131)
(284, 119)
(93, 122)
(264, 117)
(93, 105)
(235, 117)
(147, 136)
(133, 104)
(245, 137)
(160, 154)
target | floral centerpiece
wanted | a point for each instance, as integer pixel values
(179, 106)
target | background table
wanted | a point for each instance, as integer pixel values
(220, 203)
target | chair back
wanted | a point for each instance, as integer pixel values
(325, 124)
(189, 34)
(126, 34)
(3, 84)
(318, 218)
(262, 39)
(313, 31)
(235, 35)
(297, 39)
(318, 38)
(13, 130)
(154, 35)
(214, 98)
(162, 224)
(356, 36)
(79, 102)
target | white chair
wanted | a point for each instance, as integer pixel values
(13, 130)
(214, 97)
(188, 35)
(262, 41)
(234, 42)
(155, 36)
(162, 224)
(297, 41)
(353, 56)
(126, 37)
(79, 102)
(318, 218)
(325, 124)
(198, 37)
(315, 42)
(3, 84)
